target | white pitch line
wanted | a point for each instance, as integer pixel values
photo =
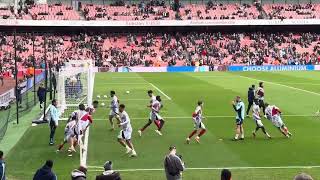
(125, 77)
(312, 84)
(212, 76)
(107, 100)
(84, 153)
(186, 117)
(160, 91)
(124, 83)
(98, 168)
(270, 82)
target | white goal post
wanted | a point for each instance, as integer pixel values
(75, 85)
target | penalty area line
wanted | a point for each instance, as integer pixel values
(98, 168)
(160, 91)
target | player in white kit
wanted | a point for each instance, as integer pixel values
(124, 137)
(198, 124)
(70, 134)
(155, 105)
(257, 119)
(114, 109)
(273, 114)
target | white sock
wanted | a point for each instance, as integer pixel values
(133, 151)
(242, 135)
(237, 136)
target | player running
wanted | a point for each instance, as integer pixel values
(239, 107)
(154, 116)
(273, 114)
(70, 136)
(124, 137)
(85, 120)
(114, 109)
(257, 119)
(152, 97)
(198, 124)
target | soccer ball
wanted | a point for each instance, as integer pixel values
(127, 92)
(98, 96)
(102, 104)
(105, 96)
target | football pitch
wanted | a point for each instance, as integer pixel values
(295, 93)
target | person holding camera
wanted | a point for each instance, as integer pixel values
(173, 165)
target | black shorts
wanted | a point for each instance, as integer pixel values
(239, 121)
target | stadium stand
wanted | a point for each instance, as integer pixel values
(165, 49)
(161, 11)
(50, 12)
(292, 11)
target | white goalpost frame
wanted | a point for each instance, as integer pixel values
(84, 69)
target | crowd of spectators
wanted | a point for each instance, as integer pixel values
(161, 10)
(163, 49)
(292, 11)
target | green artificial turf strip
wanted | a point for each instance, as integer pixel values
(217, 90)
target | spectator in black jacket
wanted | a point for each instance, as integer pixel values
(79, 174)
(45, 173)
(225, 174)
(108, 173)
(41, 93)
(250, 98)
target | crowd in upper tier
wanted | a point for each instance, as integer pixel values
(161, 10)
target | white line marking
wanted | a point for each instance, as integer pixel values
(98, 168)
(125, 77)
(270, 82)
(125, 100)
(312, 84)
(187, 117)
(212, 76)
(84, 150)
(160, 91)
(124, 83)
(48, 108)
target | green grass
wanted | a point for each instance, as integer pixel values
(291, 91)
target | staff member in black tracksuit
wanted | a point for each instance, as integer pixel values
(251, 96)
(260, 97)
(41, 95)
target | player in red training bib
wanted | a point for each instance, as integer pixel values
(198, 124)
(273, 114)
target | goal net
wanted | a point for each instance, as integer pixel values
(75, 86)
